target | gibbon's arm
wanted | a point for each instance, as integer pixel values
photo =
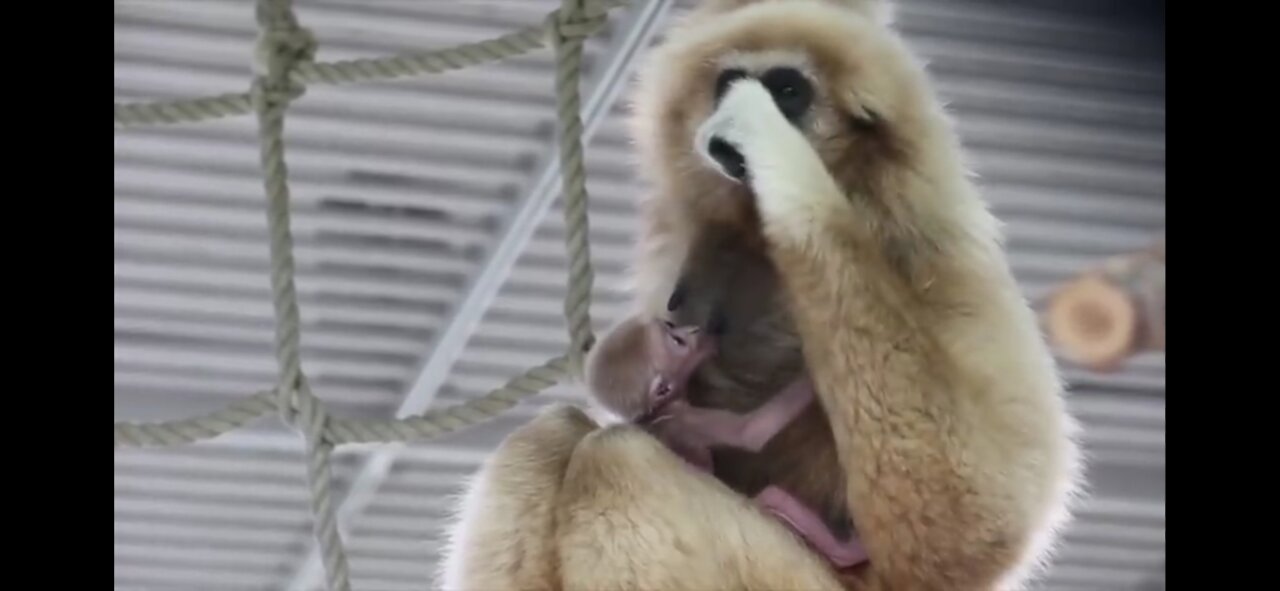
(938, 504)
(565, 505)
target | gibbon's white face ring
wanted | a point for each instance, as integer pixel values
(715, 129)
(753, 78)
(743, 111)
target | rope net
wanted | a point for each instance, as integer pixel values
(284, 67)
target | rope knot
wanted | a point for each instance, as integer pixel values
(576, 19)
(301, 410)
(281, 46)
(286, 403)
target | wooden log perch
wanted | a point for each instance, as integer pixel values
(1108, 314)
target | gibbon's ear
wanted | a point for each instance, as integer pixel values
(879, 11)
(864, 112)
(864, 118)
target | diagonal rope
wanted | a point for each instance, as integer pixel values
(427, 425)
(207, 426)
(283, 68)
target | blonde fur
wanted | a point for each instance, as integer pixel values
(564, 505)
(960, 458)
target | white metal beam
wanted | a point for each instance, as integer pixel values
(632, 37)
(530, 210)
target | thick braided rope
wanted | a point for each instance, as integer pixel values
(367, 70)
(207, 426)
(282, 44)
(338, 431)
(456, 417)
(429, 424)
(284, 60)
(577, 301)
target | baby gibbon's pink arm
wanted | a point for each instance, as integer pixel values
(691, 431)
(753, 430)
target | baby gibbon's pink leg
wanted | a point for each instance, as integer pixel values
(811, 528)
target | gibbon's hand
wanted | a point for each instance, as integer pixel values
(791, 184)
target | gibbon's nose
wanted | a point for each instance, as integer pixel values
(728, 157)
(792, 94)
(724, 154)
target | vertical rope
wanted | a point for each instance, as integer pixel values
(314, 421)
(568, 41)
(282, 44)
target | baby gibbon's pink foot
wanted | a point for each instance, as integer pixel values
(811, 528)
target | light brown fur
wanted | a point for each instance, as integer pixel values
(564, 505)
(943, 400)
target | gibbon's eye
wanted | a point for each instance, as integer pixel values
(791, 91)
(726, 78)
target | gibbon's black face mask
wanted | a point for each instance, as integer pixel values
(792, 93)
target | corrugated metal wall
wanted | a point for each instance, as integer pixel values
(400, 189)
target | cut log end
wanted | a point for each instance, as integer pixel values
(1095, 322)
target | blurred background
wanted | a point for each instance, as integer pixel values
(403, 189)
